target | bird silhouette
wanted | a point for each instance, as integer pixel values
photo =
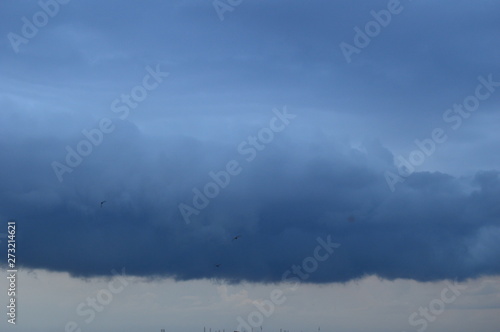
(217, 265)
(236, 237)
(102, 203)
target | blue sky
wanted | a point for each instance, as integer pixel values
(339, 155)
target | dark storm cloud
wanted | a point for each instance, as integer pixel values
(432, 227)
(225, 77)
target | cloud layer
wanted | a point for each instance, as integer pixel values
(433, 226)
(322, 175)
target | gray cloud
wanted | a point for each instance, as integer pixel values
(225, 77)
(434, 226)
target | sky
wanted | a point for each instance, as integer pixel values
(238, 165)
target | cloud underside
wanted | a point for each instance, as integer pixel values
(433, 226)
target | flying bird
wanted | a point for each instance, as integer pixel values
(217, 265)
(102, 203)
(236, 237)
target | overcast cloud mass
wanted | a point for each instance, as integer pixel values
(305, 140)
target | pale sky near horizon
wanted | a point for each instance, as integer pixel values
(243, 146)
(50, 301)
